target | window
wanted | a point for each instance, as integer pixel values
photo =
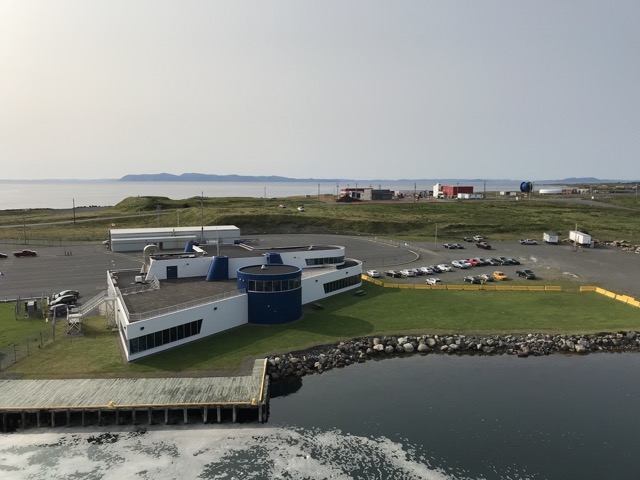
(157, 339)
(342, 283)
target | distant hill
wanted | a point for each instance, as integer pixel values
(204, 177)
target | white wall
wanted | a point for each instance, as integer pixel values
(216, 317)
(313, 286)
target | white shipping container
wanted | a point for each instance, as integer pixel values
(550, 237)
(579, 238)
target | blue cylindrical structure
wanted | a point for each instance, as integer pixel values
(274, 258)
(274, 293)
(219, 269)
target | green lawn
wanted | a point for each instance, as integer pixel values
(381, 311)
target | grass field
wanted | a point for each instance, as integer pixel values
(499, 218)
(382, 311)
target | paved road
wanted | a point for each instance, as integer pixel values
(83, 268)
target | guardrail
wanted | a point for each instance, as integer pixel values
(486, 286)
(616, 296)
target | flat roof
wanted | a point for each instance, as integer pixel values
(269, 269)
(161, 230)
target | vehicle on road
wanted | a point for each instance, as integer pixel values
(434, 281)
(528, 241)
(3, 255)
(443, 267)
(500, 276)
(373, 273)
(526, 273)
(25, 253)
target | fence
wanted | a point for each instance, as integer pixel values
(28, 346)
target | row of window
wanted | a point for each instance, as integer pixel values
(157, 339)
(325, 261)
(273, 285)
(342, 283)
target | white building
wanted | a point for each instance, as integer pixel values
(135, 239)
(180, 297)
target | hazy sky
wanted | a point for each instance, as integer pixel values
(367, 89)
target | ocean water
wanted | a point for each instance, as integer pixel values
(418, 417)
(67, 194)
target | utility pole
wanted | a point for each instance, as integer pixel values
(74, 211)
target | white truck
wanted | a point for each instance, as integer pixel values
(580, 238)
(550, 237)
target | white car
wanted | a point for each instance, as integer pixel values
(444, 267)
(407, 273)
(426, 270)
(373, 273)
(434, 281)
(461, 264)
(528, 241)
(478, 238)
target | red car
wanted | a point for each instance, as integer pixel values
(484, 245)
(26, 253)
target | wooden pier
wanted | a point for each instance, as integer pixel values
(134, 401)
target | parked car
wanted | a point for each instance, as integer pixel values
(467, 239)
(461, 264)
(61, 310)
(514, 261)
(500, 276)
(478, 238)
(481, 261)
(450, 246)
(485, 278)
(66, 299)
(434, 281)
(3, 255)
(75, 293)
(471, 279)
(373, 273)
(407, 272)
(457, 245)
(25, 253)
(526, 273)
(494, 262)
(435, 268)
(528, 241)
(444, 267)
(392, 273)
(426, 271)
(473, 262)
(483, 245)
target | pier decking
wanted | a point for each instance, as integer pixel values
(119, 401)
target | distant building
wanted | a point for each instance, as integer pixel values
(367, 193)
(165, 238)
(451, 191)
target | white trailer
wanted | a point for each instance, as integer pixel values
(580, 238)
(550, 237)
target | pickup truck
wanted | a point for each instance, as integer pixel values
(526, 273)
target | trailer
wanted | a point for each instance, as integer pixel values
(580, 238)
(550, 237)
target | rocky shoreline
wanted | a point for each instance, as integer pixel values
(328, 357)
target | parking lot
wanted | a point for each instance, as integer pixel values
(605, 266)
(83, 268)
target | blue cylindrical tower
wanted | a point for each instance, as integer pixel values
(274, 293)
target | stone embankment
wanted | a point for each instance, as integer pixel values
(320, 359)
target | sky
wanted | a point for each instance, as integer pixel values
(362, 89)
